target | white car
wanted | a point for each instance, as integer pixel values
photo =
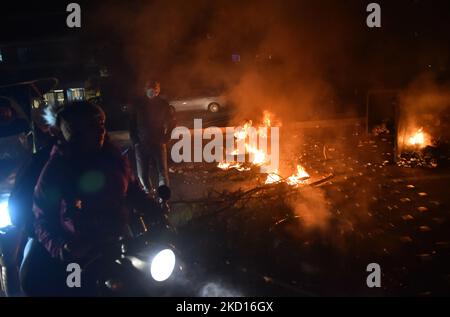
(211, 104)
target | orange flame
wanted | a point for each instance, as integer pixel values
(260, 157)
(242, 132)
(300, 178)
(229, 165)
(417, 138)
(273, 178)
(224, 165)
(267, 116)
(297, 179)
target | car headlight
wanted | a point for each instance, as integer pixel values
(162, 265)
(5, 219)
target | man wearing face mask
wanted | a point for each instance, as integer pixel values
(151, 123)
(81, 201)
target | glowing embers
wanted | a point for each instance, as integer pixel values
(237, 166)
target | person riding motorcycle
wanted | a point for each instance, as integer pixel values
(84, 197)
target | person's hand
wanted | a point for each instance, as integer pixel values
(73, 251)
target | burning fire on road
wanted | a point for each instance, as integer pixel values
(258, 156)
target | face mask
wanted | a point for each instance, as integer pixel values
(150, 93)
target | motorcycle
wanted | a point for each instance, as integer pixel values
(147, 263)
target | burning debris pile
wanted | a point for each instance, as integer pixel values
(423, 129)
(300, 178)
(258, 156)
(247, 136)
(253, 182)
(420, 149)
(278, 196)
(417, 150)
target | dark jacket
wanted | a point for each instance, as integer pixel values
(83, 200)
(151, 120)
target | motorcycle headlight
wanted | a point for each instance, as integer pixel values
(162, 265)
(5, 219)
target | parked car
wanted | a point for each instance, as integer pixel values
(212, 104)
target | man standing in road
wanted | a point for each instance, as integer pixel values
(151, 123)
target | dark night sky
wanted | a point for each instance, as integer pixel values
(407, 22)
(25, 19)
(414, 33)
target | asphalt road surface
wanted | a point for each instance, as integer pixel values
(371, 211)
(320, 242)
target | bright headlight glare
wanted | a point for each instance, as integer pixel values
(162, 265)
(5, 219)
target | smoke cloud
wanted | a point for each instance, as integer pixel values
(213, 289)
(288, 55)
(312, 209)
